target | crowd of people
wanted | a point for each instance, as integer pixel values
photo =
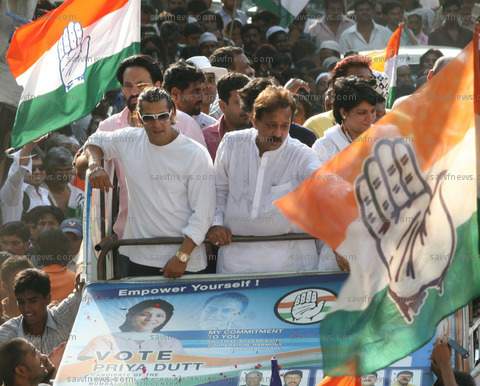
(221, 114)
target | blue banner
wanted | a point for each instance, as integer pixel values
(212, 332)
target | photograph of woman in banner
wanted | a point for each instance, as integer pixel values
(139, 332)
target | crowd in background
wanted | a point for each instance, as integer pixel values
(214, 71)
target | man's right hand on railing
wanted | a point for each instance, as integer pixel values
(99, 178)
(219, 235)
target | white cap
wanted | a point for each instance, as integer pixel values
(275, 29)
(331, 45)
(321, 76)
(207, 37)
(202, 63)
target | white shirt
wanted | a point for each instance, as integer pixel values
(186, 125)
(75, 202)
(171, 192)
(247, 185)
(332, 142)
(239, 14)
(203, 120)
(11, 193)
(352, 40)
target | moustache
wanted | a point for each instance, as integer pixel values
(274, 139)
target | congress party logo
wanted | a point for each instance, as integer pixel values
(305, 306)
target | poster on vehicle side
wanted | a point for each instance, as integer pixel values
(217, 331)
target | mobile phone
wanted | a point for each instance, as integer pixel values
(459, 349)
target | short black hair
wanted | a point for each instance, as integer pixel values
(293, 372)
(155, 94)
(196, 6)
(144, 61)
(14, 264)
(350, 92)
(302, 49)
(269, 18)
(205, 15)
(248, 27)
(405, 372)
(358, 3)
(12, 354)
(32, 279)
(390, 5)
(35, 214)
(230, 82)
(224, 56)
(192, 29)
(52, 247)
(15, 228)
(252, 89)
(180, 75)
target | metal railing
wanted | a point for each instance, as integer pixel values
(112, 243)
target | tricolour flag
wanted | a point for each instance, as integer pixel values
(67, 59)
(399, 204)
(387, 61)
(286, 10)
(391, 58)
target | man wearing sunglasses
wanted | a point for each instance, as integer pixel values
(22, 190)
(171, 187)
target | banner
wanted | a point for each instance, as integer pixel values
(220, 331)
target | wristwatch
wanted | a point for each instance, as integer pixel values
(182, 256)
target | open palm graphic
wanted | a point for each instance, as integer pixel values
(409, 221)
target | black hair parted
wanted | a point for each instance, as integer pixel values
(349, 93)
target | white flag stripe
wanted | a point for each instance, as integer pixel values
(459, 191)
(123, 23)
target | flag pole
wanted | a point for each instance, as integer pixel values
(476, 102)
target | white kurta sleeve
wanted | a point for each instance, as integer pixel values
(11, 193)
(201, 198)
(309, 163)
(222, 161)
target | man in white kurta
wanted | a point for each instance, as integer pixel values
(171, 186)
(253, 168)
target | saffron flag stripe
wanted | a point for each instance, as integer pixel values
(407, 120)
(78, 102)
(33, 35)
(119, 24)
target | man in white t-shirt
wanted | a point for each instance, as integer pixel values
(171, 187)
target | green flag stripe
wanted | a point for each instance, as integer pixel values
(379, 336)
(273, 6)
(51, 111)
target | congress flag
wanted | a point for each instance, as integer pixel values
(399, 204)
(67, 59)
(286, 10)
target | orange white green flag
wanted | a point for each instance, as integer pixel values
(66, 60)
(391, 61)
(400, 205)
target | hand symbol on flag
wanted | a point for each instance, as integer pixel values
(306, 307)
(409, 221)
(72, 51)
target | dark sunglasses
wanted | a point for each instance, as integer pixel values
(149, 118)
